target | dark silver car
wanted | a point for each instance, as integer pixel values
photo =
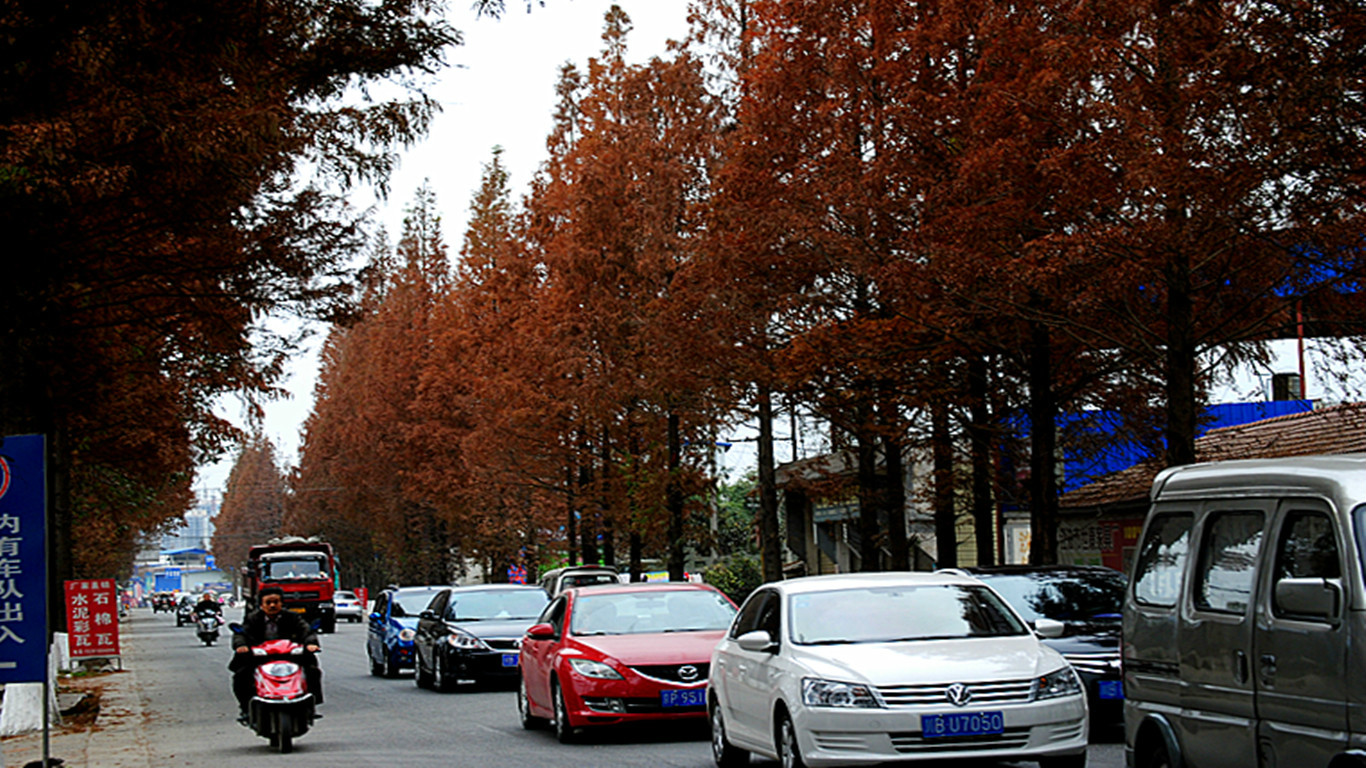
(1088, 600)
(474, 633)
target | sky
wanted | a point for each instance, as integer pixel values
(499, 91)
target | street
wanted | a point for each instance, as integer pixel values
(373, 721)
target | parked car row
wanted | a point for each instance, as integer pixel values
(1239, 633)
(826, 670)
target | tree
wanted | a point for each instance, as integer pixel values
(148, 190)
(253, 504)
(360, 435)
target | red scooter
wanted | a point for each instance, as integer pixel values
(283, 707)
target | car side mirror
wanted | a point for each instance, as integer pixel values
(1311, 597)
(1049, 628)
(542, 631)
(758, 640)
(376, 617)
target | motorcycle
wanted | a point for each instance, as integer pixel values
(184, 614)
(208, 626)
(282, 708)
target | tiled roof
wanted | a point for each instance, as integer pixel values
(1330, 430)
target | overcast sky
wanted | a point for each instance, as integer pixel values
(500, 91)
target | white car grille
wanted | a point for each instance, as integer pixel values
(993, 692)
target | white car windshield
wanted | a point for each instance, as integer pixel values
(902, 613)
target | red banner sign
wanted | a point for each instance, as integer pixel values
(92, 618)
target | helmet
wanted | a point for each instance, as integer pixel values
(208, 596)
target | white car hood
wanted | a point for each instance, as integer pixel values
(928, 662)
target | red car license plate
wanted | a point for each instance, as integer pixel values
(683, 697)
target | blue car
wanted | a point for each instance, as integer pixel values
(393, 624)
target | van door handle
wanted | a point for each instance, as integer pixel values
(1268, 668)
(1240, 666)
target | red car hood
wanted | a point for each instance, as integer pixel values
(656, 648)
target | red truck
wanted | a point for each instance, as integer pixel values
(305, 569)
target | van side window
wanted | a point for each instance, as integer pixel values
(1157, 573)
(1307, 547)
(1228, 560)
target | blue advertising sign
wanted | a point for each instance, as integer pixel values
(23, 560)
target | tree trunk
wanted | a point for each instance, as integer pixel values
(979, 433)
(1180, 364)
(869, 499)
(604, 507)
(945, 528)
(674, 499)
(770, 547)
(636, 555)
(895, 500)
(1043, 484)
(571, 519)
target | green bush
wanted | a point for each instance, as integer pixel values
(736, 575)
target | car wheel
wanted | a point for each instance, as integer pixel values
(1064, 761)
(563, 730)
(529, 721)
(723, 752)
(421, 677)
(439, 681)
(789, 752)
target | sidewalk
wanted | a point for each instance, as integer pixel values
(116, 737)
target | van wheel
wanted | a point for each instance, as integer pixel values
(1154, 755)
(1064, 761)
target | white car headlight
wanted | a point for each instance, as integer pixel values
(1063, 682)
(406, 635)
(832, 693)
(590, 668)
(465, 641)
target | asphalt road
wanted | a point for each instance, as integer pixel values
(371, 721)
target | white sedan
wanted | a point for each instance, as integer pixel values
(348, 606)
(859, 669)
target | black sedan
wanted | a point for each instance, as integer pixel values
(473, 633)
(1087, 600)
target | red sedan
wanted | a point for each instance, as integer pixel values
(609, 654)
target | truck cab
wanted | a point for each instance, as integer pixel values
(304, 570)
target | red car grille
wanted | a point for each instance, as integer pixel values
(675, 673)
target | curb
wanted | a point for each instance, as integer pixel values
(116, 739)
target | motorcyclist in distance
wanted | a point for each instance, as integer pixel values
(208, 603)
(271, 622)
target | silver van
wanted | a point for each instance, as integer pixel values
(1245, 617)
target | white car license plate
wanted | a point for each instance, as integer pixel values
(962, 724)
(683, 697)
(509, 659)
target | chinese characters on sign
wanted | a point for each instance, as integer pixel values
(92, 618)
(23, 596)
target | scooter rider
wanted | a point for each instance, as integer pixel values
(208, 603)
(271, 622)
